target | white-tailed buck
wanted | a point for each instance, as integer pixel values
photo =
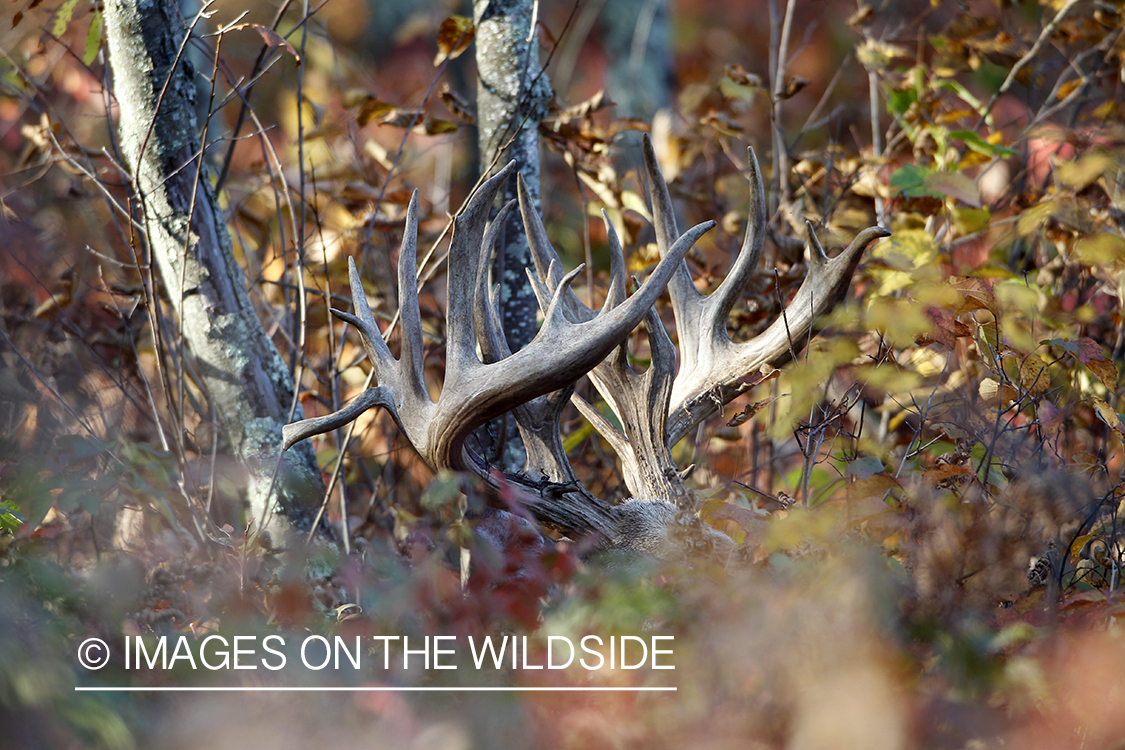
(655, 408)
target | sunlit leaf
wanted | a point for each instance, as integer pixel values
(1033, 219)
(454, 37)
(1090, 353)
(63, 17)
(953, 185)
(634, 202)
(888, 378)
(1035, 380)
(900, 321)
(970, 220)
(93, 39)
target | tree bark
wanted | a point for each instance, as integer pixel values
(638, 43)
(512, 97)
(249, 383)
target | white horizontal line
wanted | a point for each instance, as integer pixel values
(367, 689)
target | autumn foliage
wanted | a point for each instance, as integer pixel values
(926, 501)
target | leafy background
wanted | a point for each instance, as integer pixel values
(926, 502)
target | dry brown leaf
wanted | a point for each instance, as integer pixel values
(976, 292)
(1034, 377)
(454, 37)
(271, 37)
(1109, 416)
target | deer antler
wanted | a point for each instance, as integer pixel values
(656, 409)
(474, 391)
(710, 363)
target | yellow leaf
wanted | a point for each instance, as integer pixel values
(910, 254)
(888, 378)
(969, 220)
(990, 391)
(958, 114)
(1035, 217)
(1083, 172)
(1101, 250)
(976, 293)
(1106, 372)
(900, 321)
(1068, 88)
(634, 202)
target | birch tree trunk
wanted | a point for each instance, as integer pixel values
(249, 383)
(512, 97)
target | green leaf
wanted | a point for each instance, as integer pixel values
(980, 145)
(10, 518)
(910, 180)
(898, 102)
(93, 39)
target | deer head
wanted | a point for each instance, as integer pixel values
(655, 408)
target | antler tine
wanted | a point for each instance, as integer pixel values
(492, 345)
(548, 268)
(693, 394)
(710, 361)
(542, 253)
(616, 294)
(293, 433)
(747, 260)
(364, 322)
(681, 288)
(412, 356)
(464, 258)
(556, 315)
(640, 401)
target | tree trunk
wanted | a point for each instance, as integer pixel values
(512, 97)
(638, 44)
(249, 383)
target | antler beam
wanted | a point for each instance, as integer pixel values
(475, 391)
